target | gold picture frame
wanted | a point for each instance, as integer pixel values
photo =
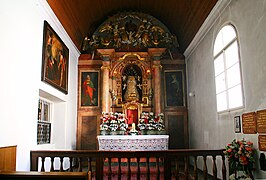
(55, 60)
(89, 88)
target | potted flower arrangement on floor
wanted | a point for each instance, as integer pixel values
(241, 159)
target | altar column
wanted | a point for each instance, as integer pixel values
(157, 86)
(105, 85)
(155, 54)
(106, 55)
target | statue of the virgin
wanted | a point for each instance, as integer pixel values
(131, 91)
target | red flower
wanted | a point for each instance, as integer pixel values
(146, 121)
(249, 143)
(243, 160)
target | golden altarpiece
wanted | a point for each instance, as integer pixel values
(131, 64)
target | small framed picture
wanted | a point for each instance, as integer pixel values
(237, 124)
(89, 88)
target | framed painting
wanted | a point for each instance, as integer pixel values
(89, 88)
(174, 88)
(237, 124)
(55, 59)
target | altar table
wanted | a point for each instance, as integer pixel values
(133, 142)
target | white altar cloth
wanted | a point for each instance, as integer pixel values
(133, 142)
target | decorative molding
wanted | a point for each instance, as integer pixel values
(106, 54)
(206, 26)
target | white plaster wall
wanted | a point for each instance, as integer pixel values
(207, 129)
(21, 33)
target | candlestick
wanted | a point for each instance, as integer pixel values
(133, 126)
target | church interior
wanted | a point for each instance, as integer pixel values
(181, 76)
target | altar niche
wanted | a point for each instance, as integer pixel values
(131, 83)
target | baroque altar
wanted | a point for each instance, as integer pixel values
(133, 143)
(131, 65)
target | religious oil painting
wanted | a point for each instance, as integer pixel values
(55, 59)
(174, 92)
(89, 88)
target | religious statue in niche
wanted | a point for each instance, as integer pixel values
(131, 90)
(131, 83)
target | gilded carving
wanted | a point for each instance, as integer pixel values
(130, 31)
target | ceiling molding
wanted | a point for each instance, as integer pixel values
(206, 26)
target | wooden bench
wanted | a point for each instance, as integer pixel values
(32, 175)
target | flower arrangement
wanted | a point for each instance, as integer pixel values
(241, 158)
(113, 122)
(160, 122)
(150, 121)
(105, 120)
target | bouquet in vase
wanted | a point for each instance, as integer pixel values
(240, 155)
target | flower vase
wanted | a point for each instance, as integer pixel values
(151, 132)
(120, 132)
(113, 132)
(143, 132)
(240, 172)
(162, 132)
(240, 175)
(104, 132)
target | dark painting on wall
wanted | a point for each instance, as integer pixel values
(89, 88)
(55, 57)
(174, 88)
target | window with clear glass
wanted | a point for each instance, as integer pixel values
(229, 94)
(44, 122)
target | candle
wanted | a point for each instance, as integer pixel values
(133, 126)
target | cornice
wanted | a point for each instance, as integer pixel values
(206, 26)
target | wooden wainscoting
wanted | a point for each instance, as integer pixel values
(177, 126)
(8, 158)
(87, 131)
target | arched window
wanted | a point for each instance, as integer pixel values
(228, 81)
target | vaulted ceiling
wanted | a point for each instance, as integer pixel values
(183, 18)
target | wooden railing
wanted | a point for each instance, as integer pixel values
(166, 164)
(14, 175)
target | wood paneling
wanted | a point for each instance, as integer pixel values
(182, 17)
(177, 130)
(89, 132)
(8, 158)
